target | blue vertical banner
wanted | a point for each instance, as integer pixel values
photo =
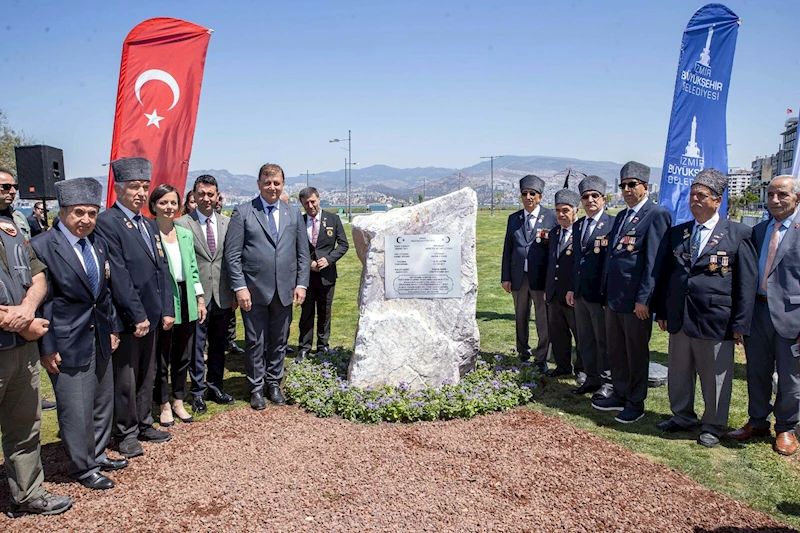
(697, 136)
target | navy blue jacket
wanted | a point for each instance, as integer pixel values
(587, 273)
(516, 248)
(76, 317)
(142, 285)
(559, 267)
(710, 300)
(630, 276)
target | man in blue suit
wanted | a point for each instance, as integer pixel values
(561, 315)
(775, 329)
(84, 331)
(524, 267)
(589, 255)
(142, 294)
(268, 259)
(708, 282)
(629, 281)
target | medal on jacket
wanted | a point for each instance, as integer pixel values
(108, 270)
(597, 246)
(631, 242)
(158, 246)
(686, 233)
(712, 263)
(724, 260)
(542, 235)
(330, 232)
(8, 228)
(128, 223)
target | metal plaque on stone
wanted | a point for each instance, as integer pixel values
(423, 266)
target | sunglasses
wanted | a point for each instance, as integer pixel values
(528, 193)
(628, 185)
(7, 186)
(591, 196)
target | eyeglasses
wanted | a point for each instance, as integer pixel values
(528, 193)
(591, 196)
(7, 186)
(628, 185)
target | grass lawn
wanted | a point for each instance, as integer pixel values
(751, 473)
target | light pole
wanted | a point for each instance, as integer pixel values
(307, 175)
(491, 158)
(348, 180)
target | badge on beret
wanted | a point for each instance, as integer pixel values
(330, 232)
(8, 228)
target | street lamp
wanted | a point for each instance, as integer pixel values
(307, 175)
(492, 158)
(348, 174)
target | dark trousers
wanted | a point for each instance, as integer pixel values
(231, 335)
(134, 365)
(266, 330)
(214, 331)
(561, 329)
(590, 321)
(318, 297)
(175, 351)
(629, 356)
(85, 403)
(523, 298)
(768, 352)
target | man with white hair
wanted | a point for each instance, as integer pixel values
(775, 330)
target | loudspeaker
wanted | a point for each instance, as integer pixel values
(39, 167)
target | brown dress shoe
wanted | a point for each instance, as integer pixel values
(785, 443)
(747, 432)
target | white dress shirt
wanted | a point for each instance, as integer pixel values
(73, 241)
(589, 223)
(310, 226)
(201, 219)
(705, 234)
(275, 217)
(531, 221)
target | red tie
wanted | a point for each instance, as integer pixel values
(314, 232)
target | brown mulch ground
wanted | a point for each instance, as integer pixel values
(285, 470)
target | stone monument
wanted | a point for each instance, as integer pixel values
(423, 330)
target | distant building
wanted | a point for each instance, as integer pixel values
(764, 168)
(739, 180)
(789, 140)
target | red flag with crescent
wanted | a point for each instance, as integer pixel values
(157, 98)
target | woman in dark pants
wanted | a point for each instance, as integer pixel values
(176, 346)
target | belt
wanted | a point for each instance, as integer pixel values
(761, 298)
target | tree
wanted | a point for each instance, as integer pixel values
(8, 140)
(420, 198)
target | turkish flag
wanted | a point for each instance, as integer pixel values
(157, 98)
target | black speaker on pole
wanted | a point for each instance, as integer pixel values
(39, 167)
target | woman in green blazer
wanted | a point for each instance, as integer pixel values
(177, 345)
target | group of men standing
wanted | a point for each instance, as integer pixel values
(710, 282)
(101, 283)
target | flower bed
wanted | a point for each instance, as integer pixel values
(319, 383)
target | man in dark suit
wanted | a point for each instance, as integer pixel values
(327, 243)
(524, 267)
(209, 229)
(629, 281)
(37, 220)
(267, 253)
(561, 315)
(708, 282)
(585, 295)
(775, 329)
(142, 294)
(84, 331)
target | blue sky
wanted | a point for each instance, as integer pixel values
(420, 83)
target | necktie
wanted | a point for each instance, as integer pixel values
(772, 250)
(212, 242)
(90, 266)
(628, 216)
(273, 229)
(145, 234)
(696, 238)
(587, 231)
(564, 241)
(314, 232)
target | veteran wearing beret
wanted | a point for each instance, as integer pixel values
(142, 294)
(589, 254)
(708, 282)
(775, 329)
(561, 315)
(84, 331)
(629, 282)
(524, 267)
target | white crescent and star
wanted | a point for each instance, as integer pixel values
(159, 75)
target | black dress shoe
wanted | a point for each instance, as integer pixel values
(542, 367)
(324, 349)
(47, 405)
(274, 395)
(151, 434)
(222, 398)
(557, 372)
(580, 378)
(671, 426)
(109, 465)
(289, 349)
(97, 481)
(130, 448)
(604, 392)
(257, 401)
(586, 388)
(709, 440)
(199, 405)
(234, 349)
